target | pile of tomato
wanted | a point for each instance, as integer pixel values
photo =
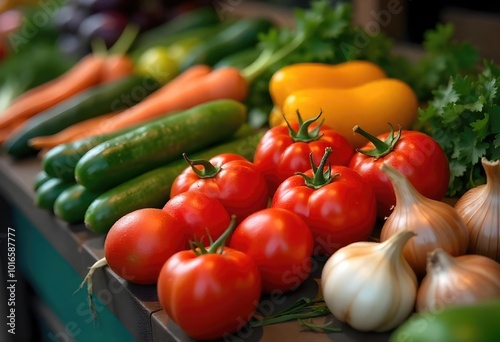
(234, 229)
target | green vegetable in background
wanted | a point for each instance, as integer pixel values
(464, 118)
(336, 40)
(443, 57)
(478, 323)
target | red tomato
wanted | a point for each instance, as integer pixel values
(282, 151)
(200, 215)
(231, 179)
(139, 243)
(209, 295)
(339, 208)
(280, 243)
(416, 155)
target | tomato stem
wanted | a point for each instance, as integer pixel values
(215, 247)
(218, 245)
(321, 177)
(381, 148)
(208, 169)
(303, 134)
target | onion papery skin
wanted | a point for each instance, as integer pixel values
(453, 281)
(437, 224)
(480, 209)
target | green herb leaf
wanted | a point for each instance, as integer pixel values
(464, 118)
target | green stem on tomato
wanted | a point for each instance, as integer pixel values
(218, 245)
(321, 177)
(381, 148)
(199, 248)
(303, 134)
(208, 171)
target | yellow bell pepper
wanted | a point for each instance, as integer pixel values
(300, 76)
(371, 106)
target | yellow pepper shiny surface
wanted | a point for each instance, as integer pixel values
(371, 106)
(300, 76)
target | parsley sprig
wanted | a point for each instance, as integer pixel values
(464, 118)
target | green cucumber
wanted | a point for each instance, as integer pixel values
(472, 322)
(40, 178)
(98, 100)
(60, 161)
(164, 34)
(157, 143)
(152, 189)
(48, 192)
(71, 205)
(240, 35)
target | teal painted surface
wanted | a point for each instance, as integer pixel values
(55, 282)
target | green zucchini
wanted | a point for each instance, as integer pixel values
(157, 143)
(473, 322)
(40, 178)
(48, 192)
(98, 100)
(71, 205)
(152, 189)
(240, 35)
(164, 34)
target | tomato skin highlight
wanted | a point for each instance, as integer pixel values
(239, 186)
(210, 295)
(416, 155)
(339, 213)
(139, 243)
(278, 156)
(281, 244)
(202, 217)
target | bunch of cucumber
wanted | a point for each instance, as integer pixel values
(98, 180)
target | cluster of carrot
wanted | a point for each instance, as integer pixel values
(197, 84)
(91, 70)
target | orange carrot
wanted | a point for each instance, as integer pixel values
(71, 133)
(189, 75)
(86, 73)
(153, 106)
(116, 67)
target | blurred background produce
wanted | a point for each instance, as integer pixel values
(79, 21)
